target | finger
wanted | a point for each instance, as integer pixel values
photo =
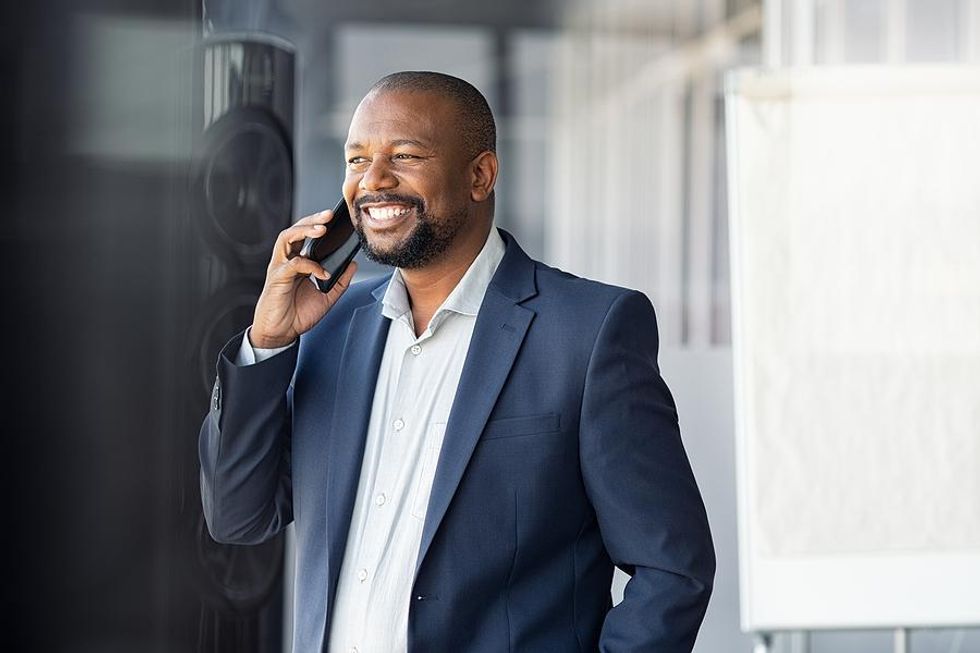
(295, 267)
(320, 217)
(342, 282)
(290, 240)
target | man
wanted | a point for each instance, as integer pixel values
(466, 446)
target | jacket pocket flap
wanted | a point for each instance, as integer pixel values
(507, 427)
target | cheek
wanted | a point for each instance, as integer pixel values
(445, 191)
(350, 186)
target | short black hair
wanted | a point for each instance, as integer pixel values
(478, 129)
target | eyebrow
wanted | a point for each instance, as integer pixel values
(394, 143)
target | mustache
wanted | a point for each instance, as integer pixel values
(394, 198)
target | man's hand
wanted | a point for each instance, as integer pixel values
(288, 307)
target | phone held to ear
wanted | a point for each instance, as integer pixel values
(335, 249)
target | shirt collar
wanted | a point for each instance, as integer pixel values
(465, 298)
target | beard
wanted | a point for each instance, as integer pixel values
(429, 237)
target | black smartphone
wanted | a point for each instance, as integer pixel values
(335, 249)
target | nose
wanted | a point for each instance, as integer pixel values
(378, 176)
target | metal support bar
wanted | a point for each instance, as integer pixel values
(800, 642)
(763, 643)
(832, 34)
(901, 640)
(970, 31)
(895, 27)
(772, 33)
(803, 17)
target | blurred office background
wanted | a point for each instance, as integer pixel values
(611, 136)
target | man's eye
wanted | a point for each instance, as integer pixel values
(356, 160)
(403, 156)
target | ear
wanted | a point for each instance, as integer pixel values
(484, 176)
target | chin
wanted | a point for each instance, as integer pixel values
(385, 243)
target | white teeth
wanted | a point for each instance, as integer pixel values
(387, 212)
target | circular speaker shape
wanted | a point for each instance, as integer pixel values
(243, 184)
(226, 313)
(234, 578)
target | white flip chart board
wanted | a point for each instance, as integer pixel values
(855, 249)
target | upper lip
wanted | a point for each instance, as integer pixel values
(378, 205)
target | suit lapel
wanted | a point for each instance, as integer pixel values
(359, 365)
(497, 337)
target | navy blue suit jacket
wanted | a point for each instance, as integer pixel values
(562, 457)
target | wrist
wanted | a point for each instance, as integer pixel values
(259, 341)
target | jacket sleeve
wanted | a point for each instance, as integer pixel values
(244, 448)
(640, 483)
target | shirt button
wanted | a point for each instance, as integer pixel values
(362, 575)
(416, 349)
(380, 499)
(399, 424)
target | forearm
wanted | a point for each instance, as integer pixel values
(244, 449)
(661, 612)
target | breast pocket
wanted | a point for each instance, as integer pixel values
(430, 458)
(511, 427)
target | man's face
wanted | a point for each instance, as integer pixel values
(406, 183)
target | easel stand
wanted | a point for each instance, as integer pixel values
(800, 642)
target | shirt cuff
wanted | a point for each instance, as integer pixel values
(249, 355)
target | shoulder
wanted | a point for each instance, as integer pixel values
(609, 322)
(590, 300)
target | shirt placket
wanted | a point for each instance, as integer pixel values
(402, 434)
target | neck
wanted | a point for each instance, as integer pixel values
(429, 286)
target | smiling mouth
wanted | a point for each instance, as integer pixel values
(386, 214)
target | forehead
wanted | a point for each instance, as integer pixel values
(383, 117)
